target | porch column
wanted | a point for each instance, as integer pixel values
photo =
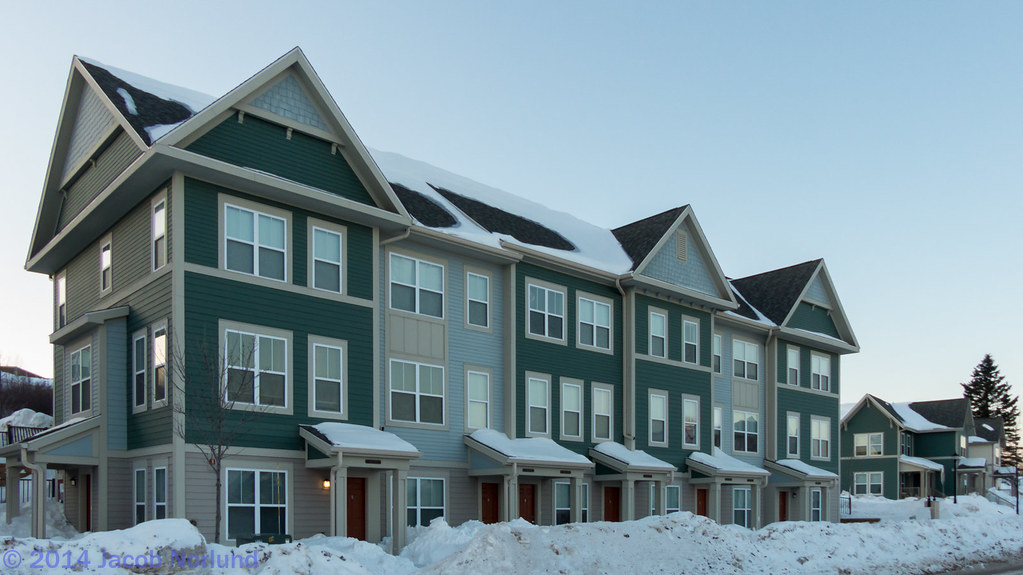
(340, 489)
(399, 487)
(629, 499)
(38, 501)
(13, 492)
(513, 496)
(756, 491)
(660, 505)
(575, 499)
(715, 498)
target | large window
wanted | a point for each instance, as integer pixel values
(477, 300)
(820, 372)
(160, 493)
(417, 286)
(716, 357)
(255, 243)
(328, 378)
(571, 410)
(81, 380)
(690, 342)
(417, 392)
(820, 438)
(138, 368)
(478, 383)
(603, 404)
(719, 417)
(140, 496)
(546, 312)
(868, 483)
(658, 334)
(741, 506)
(104, 267)
(61, 300)
(594, 323)
(658, 418)
(256, 502)
(257, 368)
(906, 444)
(745, 430)
(792, 426)
(868, 444)
(327, 250)
(563, 503)
(691, 422)
(746, 359)
(672, 499)
(160, 364)
(538, 390)
(425, 500)
(158, 240)
(816, 504)
(793, 365)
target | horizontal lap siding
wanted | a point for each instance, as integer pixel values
(149, 305)
(118, 156)
(808, 405)
(676, 381)
(119, 495)
(815, 319)
(805, 354)
(888, 465)
(869, 420)
(675, 313)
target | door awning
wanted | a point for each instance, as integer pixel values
(720, 464)
(633, 463)
(349, 445)
(526, 455)
(800, 470)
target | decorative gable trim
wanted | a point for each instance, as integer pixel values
(835, 309)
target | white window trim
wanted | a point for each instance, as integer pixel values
(135, 495)
(106, 245)
(155, 403)
(736, 342)
(817, 365)
(820, 507)
(650, 336)
(585, 501)
(289, 493)
(815, 440)
(60, 289)
(546, 379)
(488, 373)
(595, 300)
(289, 375)
(71, 382)
(418, 507)
(256, 245)
(417, 289)
(314, 341)
(490, 282)
(717, 352)
(718, 424)
(685, 342)
(311, 226)
(867, 483)
(547, 287)
(225, 200)
(789, 436)
(143, 370)
(594, 389)
(747, 510)
(157, 200)
(667, 510)
(578, 385)
(867, 439)
(746, 432)
(650, 417)
(690, 399)
(445, 398)
(156, 500)
(790, 350)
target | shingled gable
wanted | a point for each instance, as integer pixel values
(947, 412)
(640, 237)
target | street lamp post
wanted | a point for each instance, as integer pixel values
(955, 478)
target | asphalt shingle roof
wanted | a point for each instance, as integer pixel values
(745, 310)
(889, 408)
(639, 237)
(496, 220)
(775, 292)
(423, 209)
(947, 412)
(988, 434)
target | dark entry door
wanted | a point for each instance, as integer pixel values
(783, 506)
(489, 506)
(527, 502)
(701, 502)
(88, 502)
(357, 507)
(612, 503)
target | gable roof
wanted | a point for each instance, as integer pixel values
(947, 412)
(991, 429)
(776, 292)
(639, 238)
(918, 416)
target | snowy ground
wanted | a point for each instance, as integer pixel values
(905, 541)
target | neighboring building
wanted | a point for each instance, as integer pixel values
(399, 342)
(910, 449)
(986, 446)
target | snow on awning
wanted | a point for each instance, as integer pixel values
(922, 463)
(538, 451)
(351, 438)
(720, 463)
(622, 459)
(800, 469)
(972, 463)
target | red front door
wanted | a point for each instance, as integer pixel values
(489, 504)
(357, 507)
(783, 506)
(527, 502)
(612, 503)
(701, 502)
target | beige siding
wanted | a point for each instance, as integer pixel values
(118, 498)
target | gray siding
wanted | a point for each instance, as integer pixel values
(287, 98)
(149, 305)
(816, 291)
(59, 385)
(694, 273)
(64, 390)
(92, 122)
(724, 387)
(116, 382)
(121, 153)
(119, 495)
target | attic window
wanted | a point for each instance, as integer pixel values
(681, 246)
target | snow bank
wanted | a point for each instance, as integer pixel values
(57, 526)
(26, 418)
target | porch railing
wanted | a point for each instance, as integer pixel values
(18, 433)
(845, 505)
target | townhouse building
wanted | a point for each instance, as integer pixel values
(381, 343)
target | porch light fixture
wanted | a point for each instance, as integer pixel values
(326, 484)
(74, 481)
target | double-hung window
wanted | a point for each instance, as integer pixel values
(538, 400)
(417, 286)
(478, 393)
(417, 392)
(672, 499)
(719, 416)
(658, 334)
(741, 506)
(160, 364)
(255, 243)
(425, 500)
(327, 249)
(792, 425)
(81, 380)
(746, 359)
(257, 369)
(546, 312)
(690, 342)
(158, 240)
(816, 504)
(571, 410)
(868, 483)
(594, 323)
(745, 429)
(477, 300)
(793, 365)
(820, 372)
(906, 444)
(820, 438)
(603, 403)
(868, 444)
(140, 496)
(716, 358)
(563, 502)
(256, 502)
(61, 300)
(105, 260)
(328, 378)
(658, 418)
(160, 493)
(138, 367)
(691, 423)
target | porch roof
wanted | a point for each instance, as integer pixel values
(920, 462)
(800, 470)
(536, 451)
(76, 441)
(720, 463)
(972, 463)
(340, 437)
(622, 459)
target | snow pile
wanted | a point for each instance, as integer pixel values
(315, 555)
(21, 526)
(428, 545)
(26, 418)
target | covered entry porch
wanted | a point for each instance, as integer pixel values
(731, 484)
(798, 491)
(620, 469)
(918, 477)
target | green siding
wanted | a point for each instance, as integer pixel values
(262, 145)
(815, 319)
(676, 381)
(118, 156)
(302, 315)
(804, 365)
(567, 360)
(675, 313)
(886, 465)
(148, 306)
(809, 405)
(201, 241)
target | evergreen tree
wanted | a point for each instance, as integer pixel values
(990, 396)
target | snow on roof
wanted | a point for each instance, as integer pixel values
(846, 408)
(805, 468)
(632, 457)
(921, 462)
(987, 427)
(351, 436)
(594, 246)
(972, 463)
(26, 418)
(978, 439)
(914, 421)
(1005, 470)
(527, 449)
(724, 462)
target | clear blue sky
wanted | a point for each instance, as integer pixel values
(883, 137)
